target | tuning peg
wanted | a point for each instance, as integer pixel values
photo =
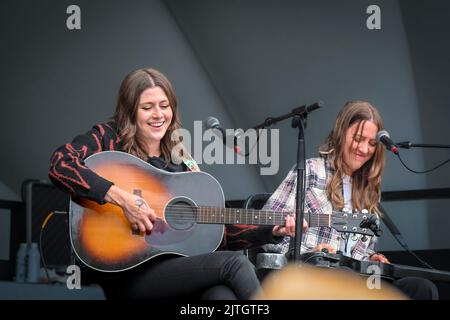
(378, 232)
(365, 211)
(355, 211)
(345, 212)
(364, 238)
(354, 237)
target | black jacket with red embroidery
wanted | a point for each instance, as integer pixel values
(69, 172)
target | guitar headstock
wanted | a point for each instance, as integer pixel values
(353, 221)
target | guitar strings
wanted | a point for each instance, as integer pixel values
(183, 208)
(210, 211)
(183, 213)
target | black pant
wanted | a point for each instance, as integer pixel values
(413, 287)
(417, 288)
(224, 275)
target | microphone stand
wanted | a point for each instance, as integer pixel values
(409, 145)
(299, 117)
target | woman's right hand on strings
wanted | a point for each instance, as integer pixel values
(324, 247)
(136, 209)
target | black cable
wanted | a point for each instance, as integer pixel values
(398, 236)
(41, 252)
(405, 246)
(420, 260)
(419, 172)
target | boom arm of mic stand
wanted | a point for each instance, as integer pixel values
(409, 145)
(299, 111)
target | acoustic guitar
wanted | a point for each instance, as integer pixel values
(190, 209)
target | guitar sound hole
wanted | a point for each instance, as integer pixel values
(181, 214)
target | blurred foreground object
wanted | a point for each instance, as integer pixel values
(312, 283)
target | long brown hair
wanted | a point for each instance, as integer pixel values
(128, 99)
(366, 181)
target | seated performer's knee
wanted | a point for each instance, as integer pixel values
(417, 288)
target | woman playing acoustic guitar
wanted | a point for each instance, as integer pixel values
(348, 175)
(146, 116)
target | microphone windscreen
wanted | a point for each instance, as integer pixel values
(211, 123)
(382, 133)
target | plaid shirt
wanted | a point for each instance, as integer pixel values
(317, 175)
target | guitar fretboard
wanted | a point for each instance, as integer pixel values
(252, 216)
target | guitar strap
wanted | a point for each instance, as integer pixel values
(191, 163)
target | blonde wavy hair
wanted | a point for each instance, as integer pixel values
(125, 115)
(366, 181)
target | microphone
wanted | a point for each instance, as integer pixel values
(384, 138)
(213, 123)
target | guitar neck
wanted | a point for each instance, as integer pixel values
(213, 215)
